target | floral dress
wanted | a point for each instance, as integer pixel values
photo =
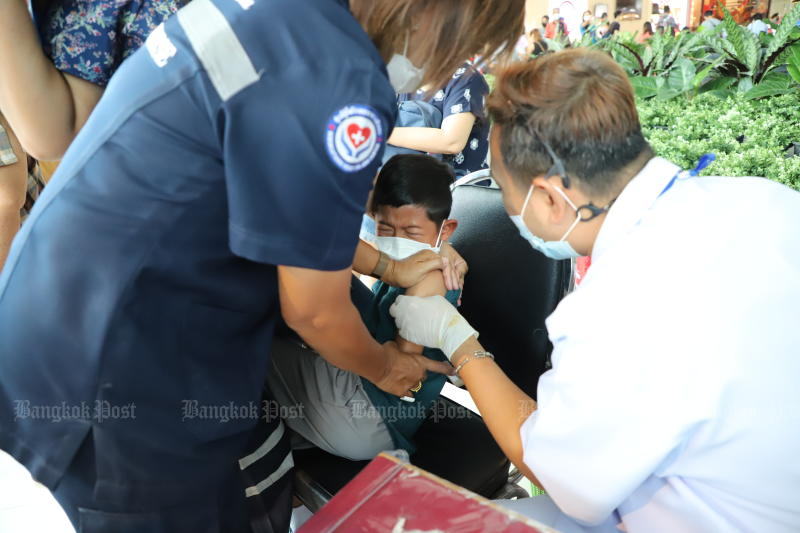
(90, 38)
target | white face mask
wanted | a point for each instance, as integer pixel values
(403, 75)
(400, 248)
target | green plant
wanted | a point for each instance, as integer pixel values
(749, 137)
(667, 66)
(752, 64)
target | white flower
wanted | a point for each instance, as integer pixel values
(473, 144)
(456, 109)
(468, 95)
(439, 96)
(459, 158)
(460, 72)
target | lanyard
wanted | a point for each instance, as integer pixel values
(706, 160)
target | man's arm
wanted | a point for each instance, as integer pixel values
(410, 271)
(317, 306)
(46, 107)
(503, 406)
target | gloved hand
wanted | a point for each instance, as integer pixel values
(431, 322)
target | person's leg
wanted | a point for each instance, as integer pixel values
(544, 510)
(331, 404)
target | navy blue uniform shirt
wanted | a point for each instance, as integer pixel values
(466, 92)
(245, 134)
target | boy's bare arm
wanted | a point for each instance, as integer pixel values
(431, 285)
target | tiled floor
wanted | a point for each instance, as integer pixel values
(27, 506)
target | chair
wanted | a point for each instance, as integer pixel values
(510, 290)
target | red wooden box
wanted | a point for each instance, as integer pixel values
(390, 496)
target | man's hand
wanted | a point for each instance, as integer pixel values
(405, 371)
(431, 322)
(455, 268)
(412, 270)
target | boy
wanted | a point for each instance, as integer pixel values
(343, 413)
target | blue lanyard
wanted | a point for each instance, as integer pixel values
(703, 163)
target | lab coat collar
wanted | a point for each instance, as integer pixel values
(635, 200)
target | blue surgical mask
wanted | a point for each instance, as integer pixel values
(553, 249)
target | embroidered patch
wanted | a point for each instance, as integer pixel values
(354, 137)
(159, 46)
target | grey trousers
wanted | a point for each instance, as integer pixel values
(333, 412)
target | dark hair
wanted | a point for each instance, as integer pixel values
(614, 27)
(617, 13)
(708, 13)
(648, 28)
(577, 102)
(546, 17)
(415, 179)
(758, 16)
(666, 9)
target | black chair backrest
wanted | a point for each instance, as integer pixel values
(510, 289)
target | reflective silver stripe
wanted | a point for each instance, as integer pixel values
(217, 47)
(255, 490)
(264, 449)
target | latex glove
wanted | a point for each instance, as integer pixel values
(431, 322)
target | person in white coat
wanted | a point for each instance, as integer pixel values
(672, 403)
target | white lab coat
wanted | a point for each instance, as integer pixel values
(673, 403)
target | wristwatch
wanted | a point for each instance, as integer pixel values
(380, 268)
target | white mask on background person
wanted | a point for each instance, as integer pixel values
(399, 248)
(403, 75)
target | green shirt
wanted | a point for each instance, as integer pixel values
(402, 418)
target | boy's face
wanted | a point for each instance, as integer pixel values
(411, 222)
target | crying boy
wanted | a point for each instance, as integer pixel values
(345, 414)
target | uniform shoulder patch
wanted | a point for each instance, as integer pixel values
(353, 137)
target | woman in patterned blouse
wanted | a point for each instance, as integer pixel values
(54, 71)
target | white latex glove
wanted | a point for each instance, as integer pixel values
(431, 322)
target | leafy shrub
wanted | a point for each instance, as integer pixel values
(753, 64)
(749, 137)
